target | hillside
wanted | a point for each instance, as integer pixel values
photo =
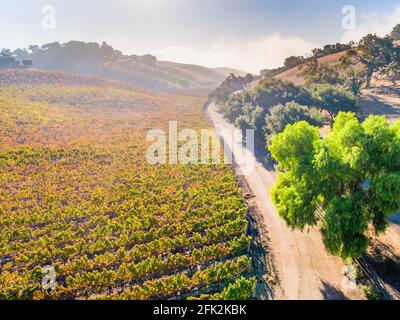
(35, 77)
(78, 194)
(382, 99)
(104, 61)
(293, 74)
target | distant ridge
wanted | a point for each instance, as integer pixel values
(104, 61)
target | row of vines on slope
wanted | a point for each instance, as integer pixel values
(77, 194)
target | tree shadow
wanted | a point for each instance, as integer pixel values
(389, 90)
(262, 156)
(385, 261)
(379, 101)
(372, 105)
(330, 292)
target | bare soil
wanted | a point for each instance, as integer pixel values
(383, 99)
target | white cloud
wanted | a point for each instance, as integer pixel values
(247, 55)
(373, 23)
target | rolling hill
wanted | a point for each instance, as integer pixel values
(104, 61)
(294, 76)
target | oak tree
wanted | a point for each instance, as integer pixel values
(350, 180)
(373, 52)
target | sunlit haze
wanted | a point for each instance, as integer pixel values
(245, 34)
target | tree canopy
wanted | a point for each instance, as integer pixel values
(395, 34)
(332, 99)
(249, 109)
(374, 53)
(294, 61)
(281, 115)
(351, 177)
(5, 53)
(231, 84)
(315, 72)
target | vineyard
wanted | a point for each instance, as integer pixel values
(77, 194)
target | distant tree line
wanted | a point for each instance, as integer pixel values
(395, 34)
(230, 85)
(294, 61)
(73, 55)
(8, 60)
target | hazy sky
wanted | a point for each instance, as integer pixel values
(245, 34)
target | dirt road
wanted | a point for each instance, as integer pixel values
(305, 270)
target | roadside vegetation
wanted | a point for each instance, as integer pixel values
(229, 86)
(327, 88)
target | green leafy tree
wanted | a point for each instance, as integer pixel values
(373, 52)
(248, 109)
(234, 107)
(395, 34)
(351, 178)
(314, 72)
(251, 118)
(5, 53)
(392, 70)
(332, 99)
(271, 92)
(353, 81)
(51, 46)
(282, 115)
(330, 49)
(34, 48)
(231, 84)
(293, 61)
